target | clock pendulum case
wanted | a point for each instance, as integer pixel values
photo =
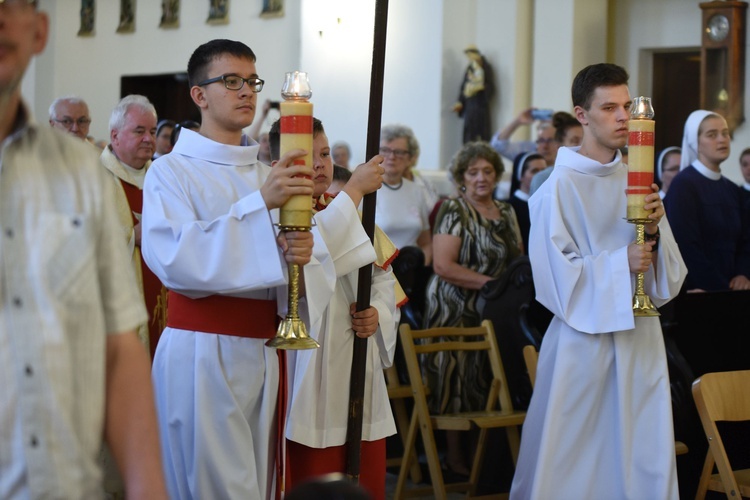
(723, 59)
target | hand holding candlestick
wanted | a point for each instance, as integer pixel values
(640, 178)
(296, 214)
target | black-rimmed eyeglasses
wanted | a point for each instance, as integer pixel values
(398, 153)
(234, 82)
(68, 122)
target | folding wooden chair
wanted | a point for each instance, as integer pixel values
(397, 393)
(531, 357)
(723, 396)
(498, 410)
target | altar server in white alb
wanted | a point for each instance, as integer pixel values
(599, 424)
(208, 234)
(320, 378)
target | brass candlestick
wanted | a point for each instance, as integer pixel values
(640, 178)
(296, 131)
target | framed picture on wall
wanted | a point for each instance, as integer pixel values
(272, 8)
(170, 14)
(88, 15)
(218, 12)
(127, 16)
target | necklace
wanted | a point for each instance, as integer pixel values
(396, 187)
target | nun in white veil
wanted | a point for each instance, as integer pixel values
(667, 167)
(705, 209)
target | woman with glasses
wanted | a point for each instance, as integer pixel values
(402, 209)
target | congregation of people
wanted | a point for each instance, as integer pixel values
(163, 274)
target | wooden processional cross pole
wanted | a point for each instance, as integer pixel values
(359, 358)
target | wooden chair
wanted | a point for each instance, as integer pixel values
(722, 396)
(397, 393)
(531, 357)
(498, 410)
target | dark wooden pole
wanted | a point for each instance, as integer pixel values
(359, 357)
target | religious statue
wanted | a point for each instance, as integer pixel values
(477, 90)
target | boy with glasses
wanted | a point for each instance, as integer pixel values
(208, 234)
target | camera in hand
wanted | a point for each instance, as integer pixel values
(541, 114)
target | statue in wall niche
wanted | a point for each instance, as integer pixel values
(170, 14)
(127, 16)
(218, 12)
(88, 11)
(477, 90)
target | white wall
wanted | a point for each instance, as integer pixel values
(91, 67)
(339, 62)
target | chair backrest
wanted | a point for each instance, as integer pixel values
(531, 357)
(724, 396)
(446, 339)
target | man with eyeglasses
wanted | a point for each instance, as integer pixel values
(70, 114)
(71, 368)
(208, 234)
(544, 144)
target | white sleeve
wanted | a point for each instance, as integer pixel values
(232, 253)
(383, 298)
(664, 280)
(341, 229)
(591, 293)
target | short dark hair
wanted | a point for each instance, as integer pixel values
(192, 125)
(206, 53)
(592, 77)
(468, 154)
(274, 136)
(341, 174)
(562, 121)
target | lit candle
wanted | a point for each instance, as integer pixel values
(640, 158)
(296, 132)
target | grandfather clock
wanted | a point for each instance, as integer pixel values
(723, 59)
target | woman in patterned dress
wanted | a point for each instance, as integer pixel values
(474, 240)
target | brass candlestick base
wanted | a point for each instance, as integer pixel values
(292, 333)
(642, 305)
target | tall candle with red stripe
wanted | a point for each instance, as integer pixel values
(640, 158)
(296, 132)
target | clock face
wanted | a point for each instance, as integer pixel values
(717, 27)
